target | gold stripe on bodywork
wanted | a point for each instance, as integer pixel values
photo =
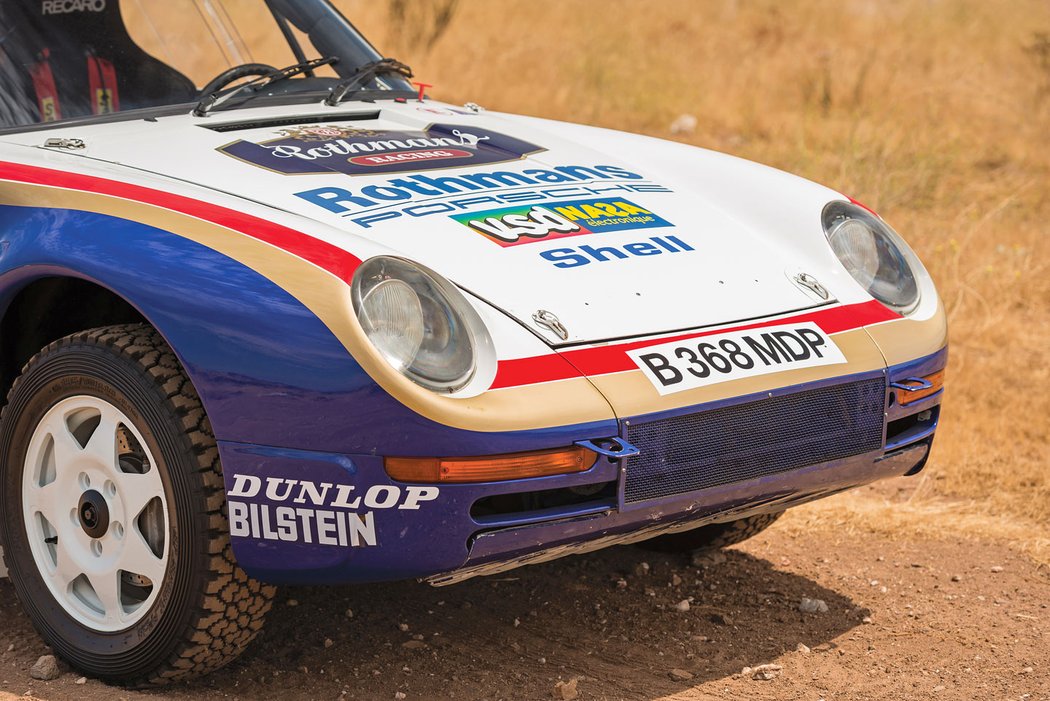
(545, 405)
(905, 339)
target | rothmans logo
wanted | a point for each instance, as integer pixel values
(353, 151)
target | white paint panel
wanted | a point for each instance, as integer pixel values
(724, 262)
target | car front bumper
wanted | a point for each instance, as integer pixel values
(309, 517)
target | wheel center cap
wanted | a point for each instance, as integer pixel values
(94, 514)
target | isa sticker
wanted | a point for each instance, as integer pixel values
(513, 226)
(707, 360)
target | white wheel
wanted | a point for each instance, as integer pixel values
(96, 513)
(112, 512)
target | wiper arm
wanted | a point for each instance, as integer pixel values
(361, 77)
(254, 87)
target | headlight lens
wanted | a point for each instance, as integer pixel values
(873, 254)
(418, 321)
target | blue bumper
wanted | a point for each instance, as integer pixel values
(311, 517)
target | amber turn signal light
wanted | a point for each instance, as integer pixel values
(491, 468)
(906, 397)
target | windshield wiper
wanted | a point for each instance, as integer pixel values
(363, 75)
(254, 87)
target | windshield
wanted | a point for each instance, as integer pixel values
(63, 59)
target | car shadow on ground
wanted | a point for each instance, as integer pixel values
(611, 619)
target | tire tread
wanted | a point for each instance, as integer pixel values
(231, 607)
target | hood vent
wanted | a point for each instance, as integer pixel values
(292, 121)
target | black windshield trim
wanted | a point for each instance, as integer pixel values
(290, 120)
(186, 108)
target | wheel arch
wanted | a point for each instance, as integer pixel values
(47, 306)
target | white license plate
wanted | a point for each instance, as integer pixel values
(707, 360)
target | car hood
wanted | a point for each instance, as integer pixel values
(612, 235)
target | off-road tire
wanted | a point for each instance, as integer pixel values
(713, 536)
(207, 609)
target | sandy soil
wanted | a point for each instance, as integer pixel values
(906, 619)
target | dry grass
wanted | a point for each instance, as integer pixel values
(936, 113)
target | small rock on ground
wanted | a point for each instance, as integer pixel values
(813, 606)
(803, 648)
(45, 669)
(682, 605)
(567, 691)
(766, 672)
(680, 675)
(82, 680)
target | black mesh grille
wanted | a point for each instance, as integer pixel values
(764, 437)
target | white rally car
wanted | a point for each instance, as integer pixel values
(270, 315)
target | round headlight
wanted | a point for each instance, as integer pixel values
(873, 254)
(418, 321)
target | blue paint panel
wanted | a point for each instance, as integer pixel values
(738, 500)
(271, 373)
(442, 536)
(415, 535)
(919, 367)
(268, 371)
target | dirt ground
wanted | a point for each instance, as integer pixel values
(907, 618)
(935, 114)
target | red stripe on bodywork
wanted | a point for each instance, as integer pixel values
(510, 373)
(321, 253)
(605, 360)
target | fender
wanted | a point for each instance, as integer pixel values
(268, 370)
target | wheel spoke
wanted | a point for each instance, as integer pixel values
(136, 557)
(66, 570)
(107, 589)
(137, 491)
(66, 446)
(103, 442)
(47, 500)
(63, 447)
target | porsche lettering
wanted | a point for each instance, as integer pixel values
(340, 200)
